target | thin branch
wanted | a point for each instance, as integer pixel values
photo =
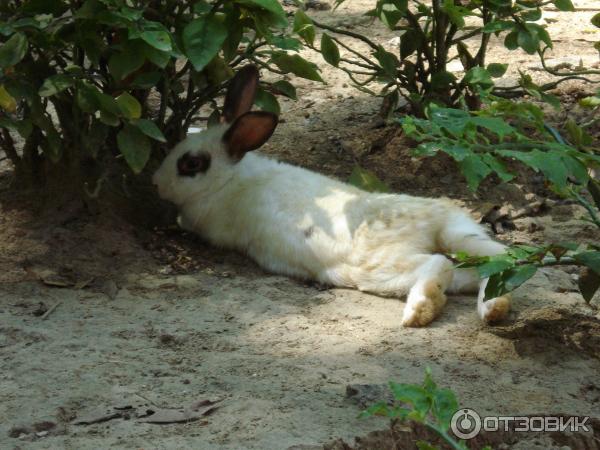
(8, 145)
(562, 74)
(351, 50)
(346, 33)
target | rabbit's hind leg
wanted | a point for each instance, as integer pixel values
(427, 297)
(425, 277)
(461, 233)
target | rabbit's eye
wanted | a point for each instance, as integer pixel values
(189, 165)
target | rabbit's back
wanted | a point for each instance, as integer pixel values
(302, 223)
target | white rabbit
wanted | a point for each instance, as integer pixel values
(296, 222)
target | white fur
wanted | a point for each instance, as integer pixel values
(303, 224)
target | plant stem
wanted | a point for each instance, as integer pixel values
(7, 143)
(444, 435)
(360, 37)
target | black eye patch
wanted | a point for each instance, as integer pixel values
(189, 165)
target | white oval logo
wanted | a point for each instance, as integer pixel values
(465, 423)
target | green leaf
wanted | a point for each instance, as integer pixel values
(494, 124)
(428, 383)
(507, 281)
(531, 15)
(455, 13)
(528, 41)
(157, 57)
(479, 76)
(272, 6)
(232, 42)
(55, 84)
(391, 17)
(202, 40)
(590, 259)
(551, 164)
(378, 409)
(134, 146)
(330, 50)
(285, 88)
(422, 445)
(511, 41)
(552, 100)
(441, 80)
(519, 275)
(474, 170)
(13, 50)
(7, 101)
(409, 43)
(304, 27)
(202, 7)
(267, 101)
(496, 70)
(109, 119)
(414, 395)
(157, 36)
(388, 62)
(130, 107)
(494, 266)
(54, 7)
(146, 80)
(366, 180)
(590, 102)
(497, 166)
(286, 43)
(444, 406)
(296, 65)
(564, 5)
(86, 98)
(498, 25)
(589, 283)
(596, 20)
(107, 104)
(23, 127)
(127, 61)
(594, 188)
(150, 129)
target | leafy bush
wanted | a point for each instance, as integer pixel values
(432, 34)
(87, 82)
(480, 143)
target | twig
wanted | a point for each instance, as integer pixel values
(346, 33)
(51, 310)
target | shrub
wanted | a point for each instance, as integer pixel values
(480, 143)
(89, 83)
(434, 33)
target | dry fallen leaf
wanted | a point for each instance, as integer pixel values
(143, 412)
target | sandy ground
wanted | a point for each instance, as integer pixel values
(161, 320)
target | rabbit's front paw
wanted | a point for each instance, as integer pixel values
(495, 310)
(423, 305)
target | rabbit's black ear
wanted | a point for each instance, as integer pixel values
(248, 132)
(240, 94)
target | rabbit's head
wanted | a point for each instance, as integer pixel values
(205, 162)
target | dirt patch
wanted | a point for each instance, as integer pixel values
(403, 436)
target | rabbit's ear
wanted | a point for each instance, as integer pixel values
(240, 94)
(248, 132)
